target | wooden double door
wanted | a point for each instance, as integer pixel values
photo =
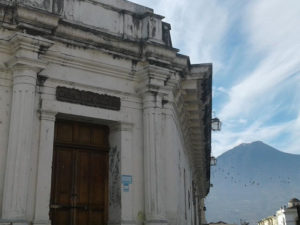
(79, 190)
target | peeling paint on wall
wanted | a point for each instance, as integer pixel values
(58, 6)
(44, 4)
(114, 185)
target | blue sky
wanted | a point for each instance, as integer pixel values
(255, 50)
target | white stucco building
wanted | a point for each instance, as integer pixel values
(285, 215)
(102, 121)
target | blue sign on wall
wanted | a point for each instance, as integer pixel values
(126, 181)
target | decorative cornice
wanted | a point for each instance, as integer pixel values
(24, 42)
(90, 37)
(35, 19)
(194, 102)
(91, 65)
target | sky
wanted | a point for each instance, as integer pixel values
(255, 50)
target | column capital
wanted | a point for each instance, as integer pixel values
(152, 99)
(126, 126)
(156, 79)
(22, 64)
(47, 115)
(122, 126)
(26, 50)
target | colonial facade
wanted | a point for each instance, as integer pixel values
(102, 121)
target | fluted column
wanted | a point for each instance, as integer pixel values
(154, 210)
(19, 145)
(24, 66)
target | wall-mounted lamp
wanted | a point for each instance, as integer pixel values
(213, 161)
(216, 124)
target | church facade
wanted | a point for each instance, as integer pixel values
(102, 121)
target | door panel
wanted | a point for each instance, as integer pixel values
(79, 194)
(82, 178)
(84, 135)
(98, 201)
(62, 186)
(63, 172)
(64, 132)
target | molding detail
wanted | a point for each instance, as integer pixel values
(88, 98)
(47, 115)
(37, 20)
(22, 41)
(16, 63)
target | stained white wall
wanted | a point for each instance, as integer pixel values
(119, 21)
(287, 216)
(79, 68)
(103, 73)
(177, 174)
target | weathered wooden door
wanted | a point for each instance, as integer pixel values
(79, 192)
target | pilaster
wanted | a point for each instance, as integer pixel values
(153, 91)
(152, 145)
(43, 187)
(127, 192)
(24, 65)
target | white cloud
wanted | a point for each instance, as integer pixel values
(260, 87)
(293, 144)
(223, 90)
(273, 27)
(274, 24)
(242, 121)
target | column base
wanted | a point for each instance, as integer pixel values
(114, 223)
(156, 222)
(42, 222)
(14, 222)
(128, 222)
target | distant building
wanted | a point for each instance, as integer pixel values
(220, 223)
(285, 216)
(271, 220)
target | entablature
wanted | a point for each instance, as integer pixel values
(196, 99)
(151, 44)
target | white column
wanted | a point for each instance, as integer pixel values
(19, 144)
(24, 64)
(127, 202)
(45, 154)
(154, 210)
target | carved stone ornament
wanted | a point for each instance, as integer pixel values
(88, 98)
